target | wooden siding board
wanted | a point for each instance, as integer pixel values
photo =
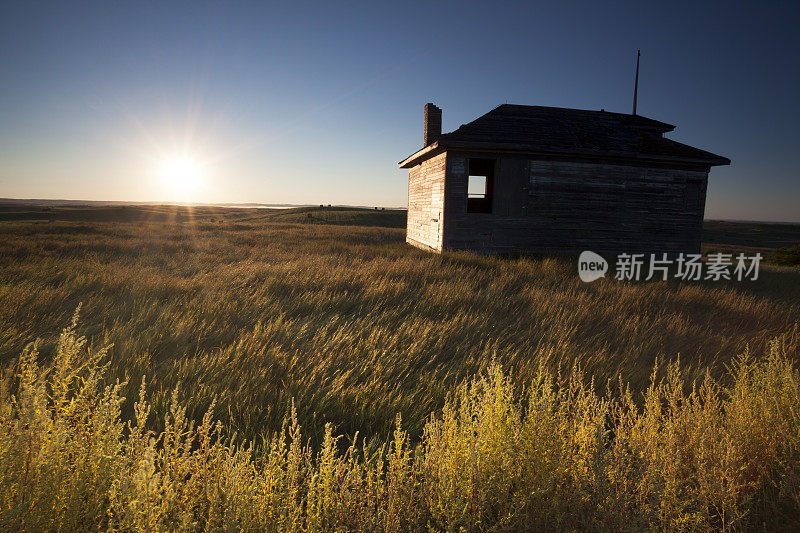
(426, 186)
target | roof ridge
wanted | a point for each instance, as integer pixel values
(573, 110)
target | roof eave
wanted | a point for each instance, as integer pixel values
(411, 160)
(721, 161)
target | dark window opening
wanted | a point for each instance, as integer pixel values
(480, 187)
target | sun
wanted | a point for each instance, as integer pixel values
(181, 175)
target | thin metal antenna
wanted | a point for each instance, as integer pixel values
(636, 83)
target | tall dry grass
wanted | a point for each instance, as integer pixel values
(554, 455)
(350, 321)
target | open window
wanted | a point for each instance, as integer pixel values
(480, 187)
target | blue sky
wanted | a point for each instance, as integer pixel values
(316, 103)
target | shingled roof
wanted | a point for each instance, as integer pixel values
(561, 131)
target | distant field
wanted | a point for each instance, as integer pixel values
(261, 306)
(168, 213)
(751, 236)
(340, 216)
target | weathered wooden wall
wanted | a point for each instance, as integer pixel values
(564, 205)
(426, 203)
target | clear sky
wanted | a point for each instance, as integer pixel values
(301, 103)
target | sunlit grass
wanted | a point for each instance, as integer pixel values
(350, 321)
(555, 456)
(340, 330)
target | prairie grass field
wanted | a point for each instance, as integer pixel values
(527, 397)
(351, 322)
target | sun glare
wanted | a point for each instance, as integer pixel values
(181, 176)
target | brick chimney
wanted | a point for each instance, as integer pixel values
(433, 123)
